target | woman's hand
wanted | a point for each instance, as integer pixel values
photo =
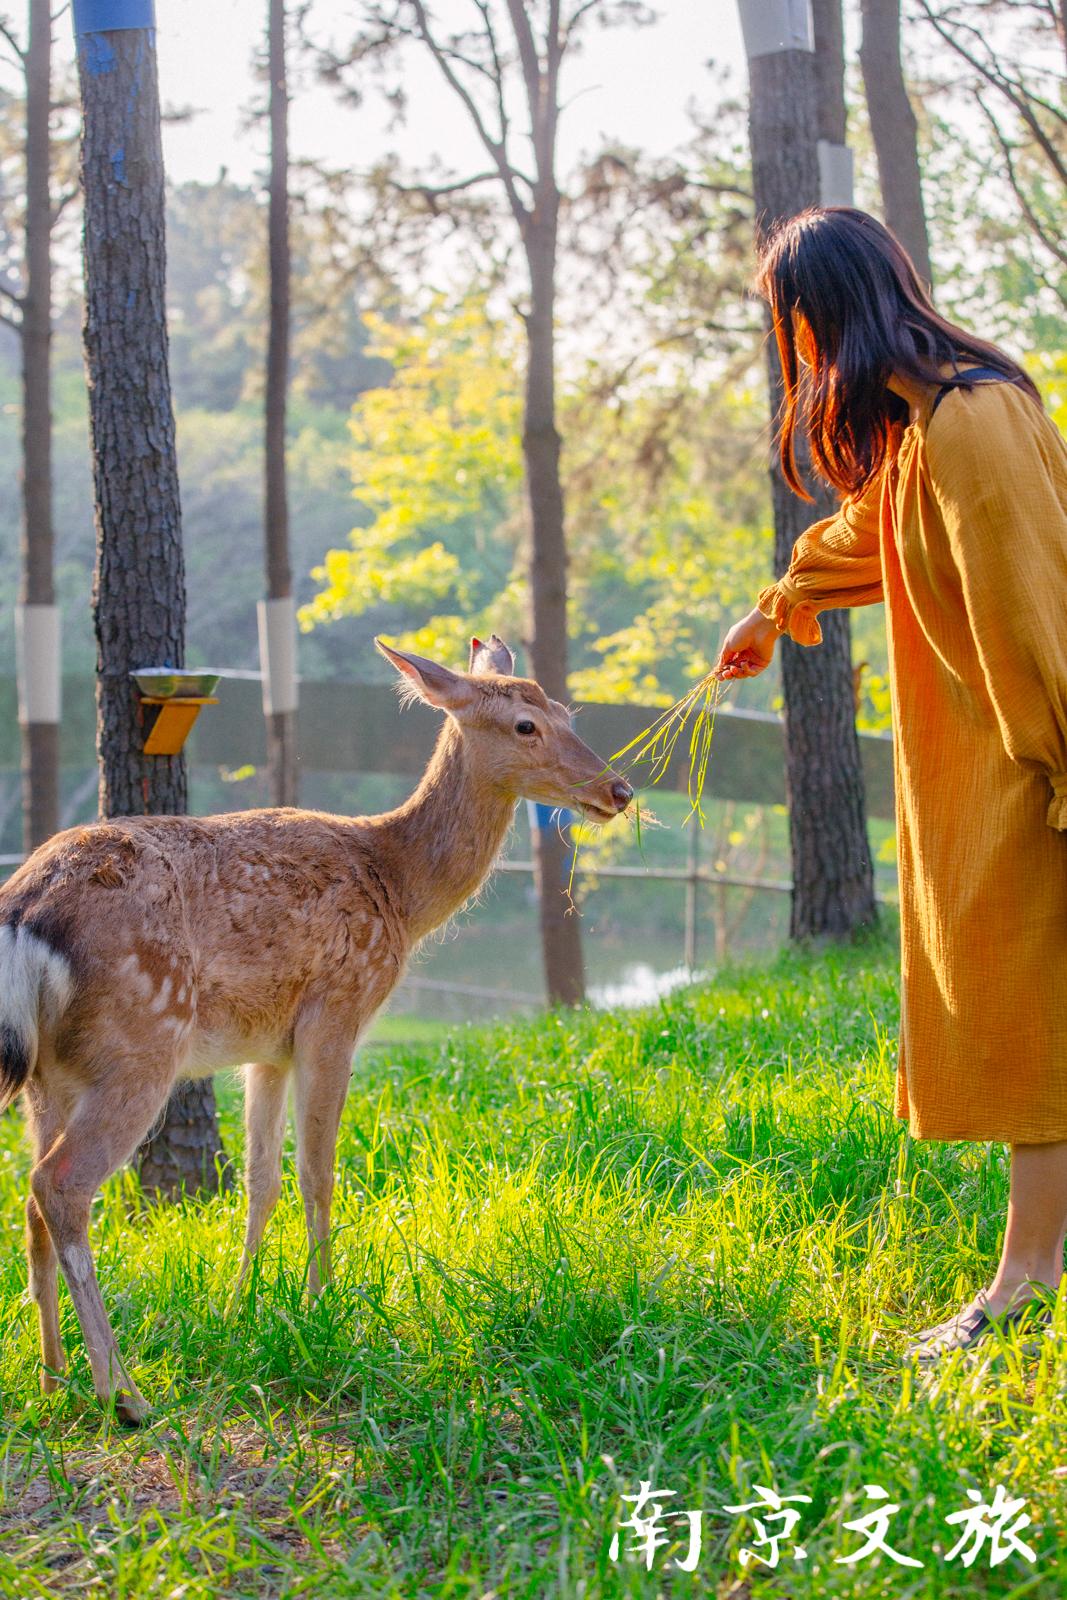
(748, 648)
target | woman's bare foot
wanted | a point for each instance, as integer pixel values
(1006, 1292)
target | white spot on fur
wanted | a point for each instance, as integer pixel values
(77, 1263)
(127, 966)
(375, 935)
(162, 999)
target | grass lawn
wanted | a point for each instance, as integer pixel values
(683, 1245)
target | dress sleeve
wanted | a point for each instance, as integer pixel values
(998, 471)
(835, 562)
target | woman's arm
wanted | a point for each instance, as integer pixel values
(998, 470)
(836, 562)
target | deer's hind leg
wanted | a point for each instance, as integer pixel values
(110, 1120)
(266, 1094)
(323, 1061)
(46, 1112)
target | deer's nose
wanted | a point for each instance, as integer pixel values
(621, 793)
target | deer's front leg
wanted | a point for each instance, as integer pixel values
(323, 1067)
(266, 1089)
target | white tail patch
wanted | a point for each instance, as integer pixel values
(35, 985)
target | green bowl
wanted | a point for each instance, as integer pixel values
(168, 683)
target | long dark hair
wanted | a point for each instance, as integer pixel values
(870, 316)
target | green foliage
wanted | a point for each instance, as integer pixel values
(437, 452)
(660, 490)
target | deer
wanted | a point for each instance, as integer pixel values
(144, 949)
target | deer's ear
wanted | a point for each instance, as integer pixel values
(428, 680)
(491, 659)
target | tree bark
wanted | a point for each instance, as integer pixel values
(831, 110)
(561, 940)
(894, 130)
(833, 875)
(184, 1155)
(281, 725)
(40, 740)
(139, 584)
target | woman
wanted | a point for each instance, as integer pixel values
(955, 514)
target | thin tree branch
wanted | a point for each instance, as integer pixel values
(8, 289)
(436, 191)
(64, 200)
(1027, 209)
(1014, 88)
(498, 70)
(531, 68)
(1019, 98)
(573, 20)
(13, 44)
(992, 68)
(496, 147)
(719, 188)
(450, 52)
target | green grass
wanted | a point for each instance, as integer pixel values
(683, 1245)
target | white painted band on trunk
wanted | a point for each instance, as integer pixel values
(37, 658)
(835, 174)
(773, 25)
(277, 654)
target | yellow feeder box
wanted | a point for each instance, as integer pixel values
(179, 696)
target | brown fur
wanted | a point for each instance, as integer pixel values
(164, 947)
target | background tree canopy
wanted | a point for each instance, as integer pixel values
(405, 455)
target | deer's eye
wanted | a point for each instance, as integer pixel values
(526, 728)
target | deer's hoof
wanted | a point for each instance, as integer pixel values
(131, 1407)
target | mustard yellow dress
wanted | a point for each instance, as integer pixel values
(964, 536)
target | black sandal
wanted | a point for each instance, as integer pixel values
(974, 1323)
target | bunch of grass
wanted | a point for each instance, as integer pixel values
(654, 747)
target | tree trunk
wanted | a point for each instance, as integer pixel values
(833, 876)
(139, 587)
(831, 111)
(894, 131)
(40, 739)
(561, 940)
(184, 1155)
(281, 723)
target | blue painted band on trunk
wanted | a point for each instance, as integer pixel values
(108, 16)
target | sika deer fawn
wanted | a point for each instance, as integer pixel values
(138, 951)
